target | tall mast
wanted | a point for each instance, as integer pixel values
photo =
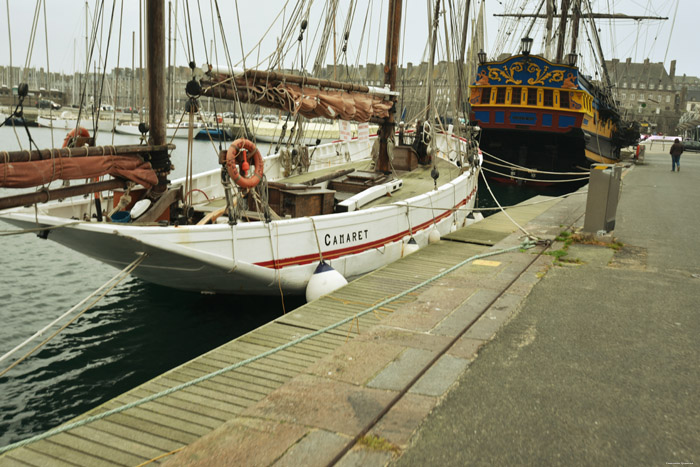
(155, 64)
(562, 31)
(548, 27)
(576, 18)
(460, 61)
(170, 69)
(431, 63)
(386, 131)
(155, 61)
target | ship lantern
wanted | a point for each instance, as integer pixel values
(482, 56)
(527, 45)
(571, 59)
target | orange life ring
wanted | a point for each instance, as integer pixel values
(236, 155)
(81, 133)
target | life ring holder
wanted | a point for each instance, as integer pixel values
(238, 155)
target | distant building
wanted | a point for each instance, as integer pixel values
(647, 93)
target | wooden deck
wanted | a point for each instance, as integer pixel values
(156, 428)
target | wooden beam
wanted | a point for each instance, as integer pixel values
(306, 81)
(45, 196)
(588, 15)
(85, 151)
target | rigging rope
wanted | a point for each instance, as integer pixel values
(113, 281)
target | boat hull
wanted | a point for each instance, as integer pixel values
(259, 258)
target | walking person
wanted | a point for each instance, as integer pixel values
(676, 151)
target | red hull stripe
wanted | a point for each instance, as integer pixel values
(306, 259)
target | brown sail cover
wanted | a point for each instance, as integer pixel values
(36, 173)
(312, 102)
(309, 102)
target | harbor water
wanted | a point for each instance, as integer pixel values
(136, 332)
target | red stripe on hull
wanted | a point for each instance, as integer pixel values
(333, 254)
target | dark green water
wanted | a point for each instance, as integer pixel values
(137, 332)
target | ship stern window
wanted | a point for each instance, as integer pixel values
(548, 98)
(564, 99)
(486, 95)
(532, 96)
(500, 95)
(517, 96)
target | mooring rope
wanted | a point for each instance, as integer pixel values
(522, 229)
(113, 281)
(525, 245)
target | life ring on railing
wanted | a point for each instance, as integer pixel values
(79, 132)
(236, 155)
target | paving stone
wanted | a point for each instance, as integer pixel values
(317, 448)
(405, 338)
(356, 361)
(466, 347)
(448, 296)
(242, 441)
(455, 323)
(437, 380)
(359, 457)
(418, 316)
(402, 370)
(404, 418)
(322, 403)
(495, 317)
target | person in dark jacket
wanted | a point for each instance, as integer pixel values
(676, 151)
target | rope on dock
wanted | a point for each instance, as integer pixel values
(527, 244)
(113, 281)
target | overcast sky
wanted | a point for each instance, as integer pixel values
(66, 30)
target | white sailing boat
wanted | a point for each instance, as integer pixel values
(354, 205)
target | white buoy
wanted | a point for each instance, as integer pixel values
(434, 235)
(411, 246)
(324, 280)
(453, 227)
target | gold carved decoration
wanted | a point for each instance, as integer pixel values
(508, 74)
(555, 76)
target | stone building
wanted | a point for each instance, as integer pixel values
(647, 93)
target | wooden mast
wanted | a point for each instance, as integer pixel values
(562, 31)
(386, 130)
(431, 63)
(461, 79)
(576, 19)
(155, 61)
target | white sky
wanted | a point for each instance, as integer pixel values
(66, 30)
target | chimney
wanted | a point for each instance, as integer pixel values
(672, 71)
(628, 61)
(646, 61)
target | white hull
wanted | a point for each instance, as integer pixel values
(257, 258)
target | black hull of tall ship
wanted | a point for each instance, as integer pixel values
(541, 158)
(542, 122)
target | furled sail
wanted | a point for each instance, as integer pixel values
(309, 97)
(22, 169)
